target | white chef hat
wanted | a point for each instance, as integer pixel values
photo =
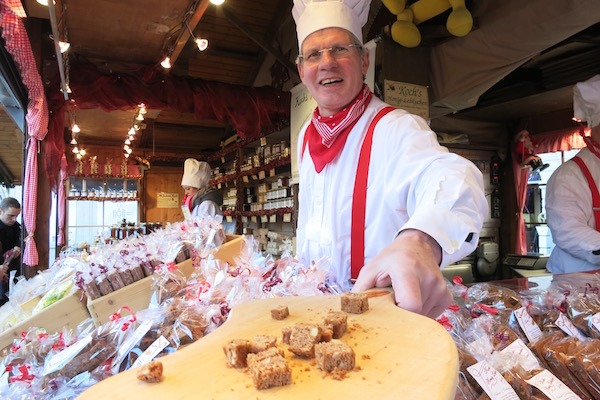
(313, 15)
(586, 101)
(196, 173)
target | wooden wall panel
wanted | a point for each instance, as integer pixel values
(162, 179)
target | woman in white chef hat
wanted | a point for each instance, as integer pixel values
(199, 199)
(572, 198)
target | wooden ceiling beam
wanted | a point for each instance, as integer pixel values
(269, 49)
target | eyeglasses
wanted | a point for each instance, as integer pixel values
(337, 52)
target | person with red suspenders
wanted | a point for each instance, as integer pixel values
(379, 198)
(572, 197)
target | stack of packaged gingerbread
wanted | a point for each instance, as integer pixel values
(532, 344)
(183, 309)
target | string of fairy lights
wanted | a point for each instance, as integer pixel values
(62, 46)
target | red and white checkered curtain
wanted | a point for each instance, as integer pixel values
(17, 44)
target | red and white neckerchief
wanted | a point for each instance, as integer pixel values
(187, 201)
(326, 136)
(592, 145)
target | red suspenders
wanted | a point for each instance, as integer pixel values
(593, 189)
(359, 198)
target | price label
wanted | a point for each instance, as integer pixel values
(272, 172)
(596, 321)
(273, 218)
(567, 327)
(264, 219)
(263, 141)
(531, 329)
(494, 384)
(287, 217)
(254, 219)
(261, 175)
(245, 179)
(552, 387)
(219, 186)
(254, 177)
(229, 218)
(222, 160)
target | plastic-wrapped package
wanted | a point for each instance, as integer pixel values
(555, 349)
(485, 298)
(584, 363)
(581, 308)
(54, 295)
(464, 390)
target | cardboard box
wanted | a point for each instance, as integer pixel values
(68, 312)
(137, 295)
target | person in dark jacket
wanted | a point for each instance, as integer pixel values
(10, 242)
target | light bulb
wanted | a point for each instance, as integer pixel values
(126, 155)
(125, 147)
(75, 150)
(82, 152)
(202, 44)
(132, 138)
(129, 150)
(43, 2)
(139, 117)
(217, 2)
(73, 141)
(166, 63)
(131, 131)
(64, 46)
(75, 128)
(142, 108)
(79, 156)
(127, 141)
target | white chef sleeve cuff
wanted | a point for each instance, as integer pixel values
(456, 234)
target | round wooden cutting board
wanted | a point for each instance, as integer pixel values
(399, 355)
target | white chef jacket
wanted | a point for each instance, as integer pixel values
(207, 207)
(571, 218)
(413, 183)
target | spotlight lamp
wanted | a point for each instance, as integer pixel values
(166, 63)
(64, 46)
(202, 44)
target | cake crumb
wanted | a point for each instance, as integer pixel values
(151, 372)
(280, 313)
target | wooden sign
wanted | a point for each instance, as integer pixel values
(167, 200)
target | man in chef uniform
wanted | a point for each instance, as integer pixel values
(572, 198)
(378, 195)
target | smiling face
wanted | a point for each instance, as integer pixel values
(333, 81)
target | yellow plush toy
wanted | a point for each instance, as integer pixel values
(405, 32)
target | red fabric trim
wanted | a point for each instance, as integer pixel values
(359, 198)
(251, 111)
(593, 189)
(563, 140)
